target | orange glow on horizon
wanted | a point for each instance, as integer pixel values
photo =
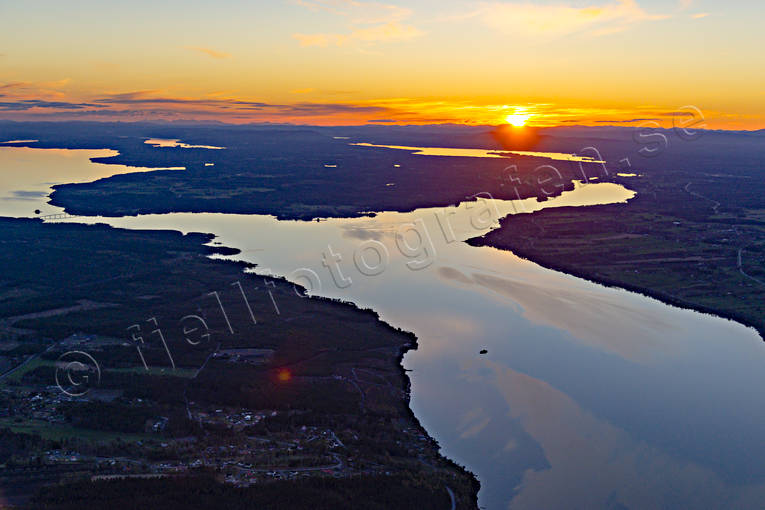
(244, 109)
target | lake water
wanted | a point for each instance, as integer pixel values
(174, 142)
(483, 153)
(26, 175)
(587, 397)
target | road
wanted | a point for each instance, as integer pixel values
(451, 495)
(281, 469)
(28, 360)
(740, 265)
(739, 261)
(715, 203)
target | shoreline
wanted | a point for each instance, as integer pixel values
(380, 335)
(538, 257)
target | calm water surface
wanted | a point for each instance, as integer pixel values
(483, 153)
(26, 175)
(588, 397)
(174, 142)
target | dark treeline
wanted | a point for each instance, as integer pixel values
(368, 492)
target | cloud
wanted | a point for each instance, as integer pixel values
(14, 85)
(147, 97)
(376, 34)
(28, 195)
(209, 52)
(626, 121)
(35, 85)
(368, 23)
(359, 12)
(312, 109)
(143, 105)
(301, 91)
(686, 4)
(28, 104)
(562, 19)
(223, 105)
(137, 94)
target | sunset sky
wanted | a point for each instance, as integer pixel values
(352, 62)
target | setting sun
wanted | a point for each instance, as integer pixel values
(518, 119)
